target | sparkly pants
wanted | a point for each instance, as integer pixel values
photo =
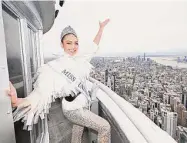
(85, 118)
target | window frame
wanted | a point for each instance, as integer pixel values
(5, 114)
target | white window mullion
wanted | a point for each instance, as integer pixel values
(39, 48)
(26, 61)
(34, 50)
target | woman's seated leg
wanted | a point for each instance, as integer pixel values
(86, 118)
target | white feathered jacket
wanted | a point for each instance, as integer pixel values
(50, 84)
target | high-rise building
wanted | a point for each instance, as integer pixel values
(180, 110)
(154, 104)
(166, 98)
(172, 103)
(184, 98)
(109, 83)
(144, 106)
(106, 76)
(138, 57)
(114, 81)
(159, 121)
(176, 102)
(169, 122)
(152, 115)
(184, 119)
(181, 134)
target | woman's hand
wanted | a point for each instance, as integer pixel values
(13, 95)
(15, 101)
(104, 23)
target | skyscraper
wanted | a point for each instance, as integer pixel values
(169, 122)
(152, 115)
(106, 76)
(181, 134)
(114, 81)
(109, 84)
(176, 101)
(184, 98)
(182, 115)
(166, 98)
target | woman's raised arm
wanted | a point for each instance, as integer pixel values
(94, 46)
(100, 32)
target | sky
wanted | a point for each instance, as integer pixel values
(135, 26)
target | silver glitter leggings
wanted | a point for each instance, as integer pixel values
(85, 118)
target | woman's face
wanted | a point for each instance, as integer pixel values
(70, 44)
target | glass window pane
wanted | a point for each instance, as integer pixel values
(12, 37)
(31, 50)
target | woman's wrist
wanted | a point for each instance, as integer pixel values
(101, 28)
(18, 101)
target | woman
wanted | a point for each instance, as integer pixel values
(65, 77)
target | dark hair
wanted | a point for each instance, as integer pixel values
(66, 35)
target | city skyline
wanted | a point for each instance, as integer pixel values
(157, 90)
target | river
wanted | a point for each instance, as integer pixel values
(169, 61)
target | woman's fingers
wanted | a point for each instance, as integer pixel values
(24, 103)
(8, 92)
(12, 90)
(11, 86)
(13, 94)
(104, 23)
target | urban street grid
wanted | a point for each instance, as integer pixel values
(158, 91)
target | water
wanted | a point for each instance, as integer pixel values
(169, 61)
